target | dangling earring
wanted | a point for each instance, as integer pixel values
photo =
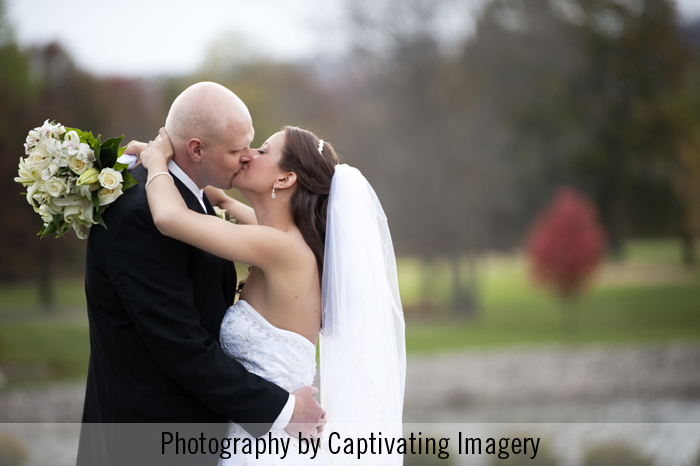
(273, 191)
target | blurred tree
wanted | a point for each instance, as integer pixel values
(686, 179)
(589, 93)
(44, 83)
(686, 184)
(20, 249)
(565, 248)
(407, 114)
(134, 108)
(636, 61)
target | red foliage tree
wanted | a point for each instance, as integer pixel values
(566, 244)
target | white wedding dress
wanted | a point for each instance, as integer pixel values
(362, 348)
(280, 356)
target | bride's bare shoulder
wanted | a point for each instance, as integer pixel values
(297, 249)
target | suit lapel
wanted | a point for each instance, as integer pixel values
(207, 204)
(190, 199)
(228, 279)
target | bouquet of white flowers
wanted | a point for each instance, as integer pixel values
(71, 177)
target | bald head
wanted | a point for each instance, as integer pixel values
(205, 111)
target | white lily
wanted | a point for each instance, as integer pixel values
(71, 142)
(85, 154)
(71, 213)
(67, 201)
(50, 130)
(25, 173)
(87, 210)
(30, 193)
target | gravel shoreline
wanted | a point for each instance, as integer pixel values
(472, 379)
(527, 375)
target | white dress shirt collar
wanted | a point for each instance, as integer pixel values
(187, 181)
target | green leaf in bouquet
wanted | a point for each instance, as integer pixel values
(97, 150)
(128, 181)
(47, 229)
(97, 216)
(58, 221)
(120, 167)
(64, 229)
(96, 198)
(52, 227)
(121, 151)
(110, 151)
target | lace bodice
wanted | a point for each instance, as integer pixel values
(280, 356)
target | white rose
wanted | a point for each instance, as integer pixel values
(55, 187)
(107, 196)
(110, 178)
(78, 166)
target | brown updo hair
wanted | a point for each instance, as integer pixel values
(314, 171)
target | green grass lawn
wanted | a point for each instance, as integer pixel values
(619, 315)
(37, 346)
(625, 307)
(633, 302)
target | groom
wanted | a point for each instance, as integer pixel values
(155, 306)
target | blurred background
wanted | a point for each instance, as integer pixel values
(538, 161)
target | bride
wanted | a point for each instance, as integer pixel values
(321, 261)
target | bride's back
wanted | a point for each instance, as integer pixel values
(288, 294)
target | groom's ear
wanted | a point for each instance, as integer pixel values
(194, 150)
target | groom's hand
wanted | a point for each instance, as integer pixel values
(309, 417)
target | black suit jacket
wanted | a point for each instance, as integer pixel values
(155, 306)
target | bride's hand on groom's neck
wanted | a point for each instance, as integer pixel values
(158, 152)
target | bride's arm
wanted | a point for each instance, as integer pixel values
(251, 244)
(241, 212)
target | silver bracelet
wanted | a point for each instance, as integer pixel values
(157, 174)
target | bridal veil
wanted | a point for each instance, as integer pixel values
(362, 344)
